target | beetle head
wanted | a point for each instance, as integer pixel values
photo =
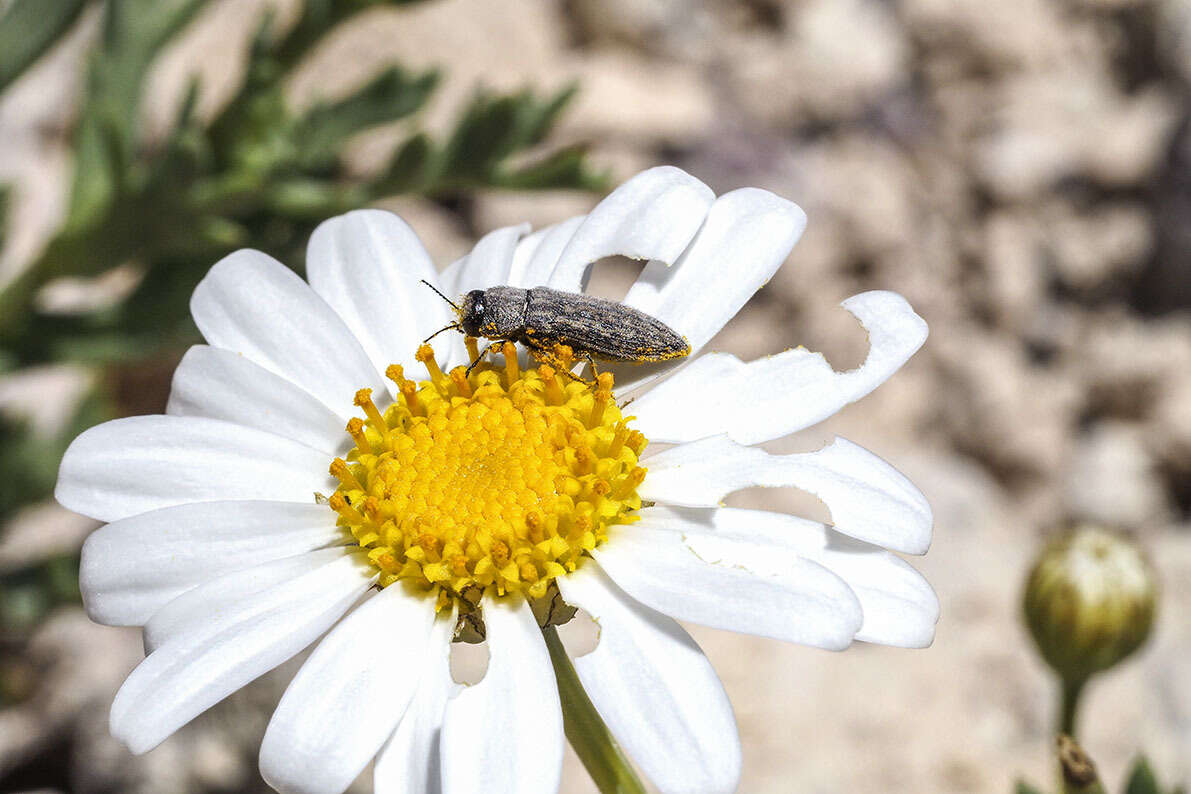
(472, 314)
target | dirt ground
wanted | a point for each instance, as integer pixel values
(1019, 170)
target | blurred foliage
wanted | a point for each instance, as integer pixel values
(28, 29)
(1140, 780)
(259, 174)
(29, 460)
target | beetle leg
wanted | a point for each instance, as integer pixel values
(480, 357)
(595, 372)
(548, 355)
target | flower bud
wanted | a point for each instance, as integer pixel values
(1089, 601)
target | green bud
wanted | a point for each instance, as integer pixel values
(1089, 601)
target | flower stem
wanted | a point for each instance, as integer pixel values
(1069, 692)
(586, 732)
(1069, 705)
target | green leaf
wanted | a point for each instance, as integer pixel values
(391, 95)
(488, 132)
(410, 166)
(1023, 787)
(102, 228)
(29, 461)
(16, 478)
(134, 31)
(1142, 779)
(28, 28)
(27, 594)
(313, 200)
(491, 131)
(538, 118)
(566, 168)
(317, 19)
(96, 173)
(5, 197)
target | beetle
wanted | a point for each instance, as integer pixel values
(542, 319)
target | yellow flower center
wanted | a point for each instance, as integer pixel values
(497, 480)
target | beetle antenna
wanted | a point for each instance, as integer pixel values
(440, 330)
(444, 297)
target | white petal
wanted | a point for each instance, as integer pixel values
(220, 384)
(746, 237)
(368, 264)
(130, 466)
(191, 611)
(487, 264)
(251, 304)
(411, 763)
(536, 255)
(133, 567)
(505, 733)
(654, 215)
(348, 697)
(656, 690)
(731, 584)
(900, 608)
(196, 670)
(868, 499)
(774, 396)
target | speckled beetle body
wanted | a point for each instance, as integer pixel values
(542, 318)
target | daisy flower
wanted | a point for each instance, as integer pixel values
(320, 471)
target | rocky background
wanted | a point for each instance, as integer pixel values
(1020, 170)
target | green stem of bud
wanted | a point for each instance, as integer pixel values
(586, 732)
(1069, 705)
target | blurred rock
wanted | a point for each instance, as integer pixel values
(1065, 123)
(1165, 284)
(82, 295)
(1016, 33)
(865, 185)
(1171, 427)
(1015, 417)
(46, 397)
(830, 60)
(79, 666)
(40, 532)
(1124, 363)
(1013, 256)
(668, 108)
(1174, 33)
(669, 25)
(1113, 478)
(494, 209)
(1088, 249)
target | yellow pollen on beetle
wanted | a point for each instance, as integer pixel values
(497, 480)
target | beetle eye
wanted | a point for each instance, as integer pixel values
(479, 308)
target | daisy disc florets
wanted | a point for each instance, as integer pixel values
(495, 480)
